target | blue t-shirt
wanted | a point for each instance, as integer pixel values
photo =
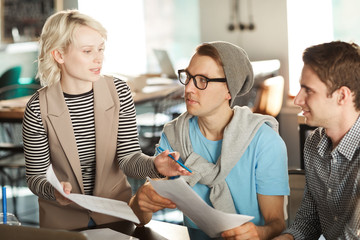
(261, 169)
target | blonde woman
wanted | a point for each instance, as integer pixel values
(84, 124)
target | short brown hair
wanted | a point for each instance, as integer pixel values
(337, 64)
(206, 49)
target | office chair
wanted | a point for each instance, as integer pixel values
(10, 76)
(270, 96)
(18, 90)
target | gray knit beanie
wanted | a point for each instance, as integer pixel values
(237, 68)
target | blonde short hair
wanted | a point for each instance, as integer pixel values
(58, 34)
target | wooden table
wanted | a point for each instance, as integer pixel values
(13, 110)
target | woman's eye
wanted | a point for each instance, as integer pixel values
(87, 51)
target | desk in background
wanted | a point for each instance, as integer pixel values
(151, 88)
(13, 110)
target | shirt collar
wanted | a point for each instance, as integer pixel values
(348, 144)
(351, 141)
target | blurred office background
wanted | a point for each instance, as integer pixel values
(267, 30)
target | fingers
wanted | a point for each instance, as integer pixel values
(175, 155)
(182, 171)
(59, 197)
(150, 200)
(167, 166)
(245, 231)
(66, 187)
(153, 198)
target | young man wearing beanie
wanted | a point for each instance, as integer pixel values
(238, 159)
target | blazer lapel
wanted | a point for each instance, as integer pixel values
(106, 122)
(59, 117)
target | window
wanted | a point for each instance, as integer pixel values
(315, 22)
(168, 27)
(309, 23)
(346, 20)
(136, 27)
(124, 21)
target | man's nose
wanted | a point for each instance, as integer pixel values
(299, 98)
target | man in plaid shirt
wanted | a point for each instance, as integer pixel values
(330, 99)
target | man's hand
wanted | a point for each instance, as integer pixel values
(245, 231)
(272, 208)
(60, 198)
(150, 201)
(147, 201)
(167, 166)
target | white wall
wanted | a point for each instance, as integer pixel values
(267, 41)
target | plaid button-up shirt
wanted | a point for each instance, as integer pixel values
(332, 188)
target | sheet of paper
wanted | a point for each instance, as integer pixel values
(106, 234)
(213, 222)
(107, 206)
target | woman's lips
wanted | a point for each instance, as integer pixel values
(95, 70)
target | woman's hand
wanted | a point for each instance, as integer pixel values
(60, 198)
(167, 166)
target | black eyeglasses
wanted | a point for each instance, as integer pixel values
(200, 81)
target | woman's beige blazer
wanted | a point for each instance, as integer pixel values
(110, 181)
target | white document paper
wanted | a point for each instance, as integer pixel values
(213, 222)
(106, 234)
(106, 206)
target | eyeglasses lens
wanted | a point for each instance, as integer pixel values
(184, 78)
(200, 81)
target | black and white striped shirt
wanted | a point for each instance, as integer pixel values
(81, 109)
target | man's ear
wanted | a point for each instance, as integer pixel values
(58, 56)
(344, 95)
(228, 96)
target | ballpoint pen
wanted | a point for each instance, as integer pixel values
(4, 205)
(180, 163)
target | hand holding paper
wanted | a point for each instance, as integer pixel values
(213, 222)
(66, 186)
(97, 204)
